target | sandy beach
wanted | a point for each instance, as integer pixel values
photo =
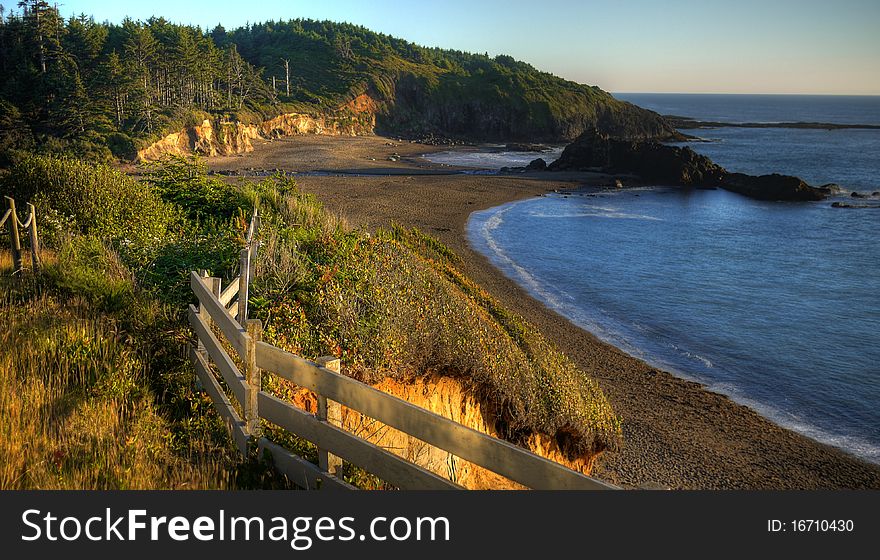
(677, 434)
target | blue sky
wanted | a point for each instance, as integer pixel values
(734, 46)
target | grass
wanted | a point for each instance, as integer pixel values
(79, 407)
(96, 388)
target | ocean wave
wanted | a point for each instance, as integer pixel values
(692, 356)
(640, 340)
(595, 212)
(858, 446)
(528, 280)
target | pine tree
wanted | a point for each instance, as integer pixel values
(113, 84)
(44, 26)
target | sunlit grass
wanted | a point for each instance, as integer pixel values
(77, 406)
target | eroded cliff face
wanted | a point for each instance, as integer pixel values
(217, 137)
(446, 397)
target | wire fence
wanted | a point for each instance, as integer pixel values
(15, 224)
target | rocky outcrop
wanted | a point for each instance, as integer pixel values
(219, 137)
(211, 138)
(845, 205)
(537, 165)
(674, 165)
(447, 397)
(651, 160)
(774, 187)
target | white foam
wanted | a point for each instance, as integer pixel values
(599, 214)
(530, 281)
(492, 160)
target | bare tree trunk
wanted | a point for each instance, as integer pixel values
(40, 41)
(287, 74)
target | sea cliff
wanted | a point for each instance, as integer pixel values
(217, 136)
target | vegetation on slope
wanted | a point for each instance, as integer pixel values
(95, 389)
(101, 90)
(92, 392)
(105, 345)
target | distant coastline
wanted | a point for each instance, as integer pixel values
(691, 123)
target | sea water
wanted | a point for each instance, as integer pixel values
(775, 304)
(493, 157)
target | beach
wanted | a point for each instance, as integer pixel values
(677, 434)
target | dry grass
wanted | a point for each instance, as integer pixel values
(76, 406)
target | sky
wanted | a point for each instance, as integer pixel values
(696, 46)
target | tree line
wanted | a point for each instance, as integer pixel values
(88, 86)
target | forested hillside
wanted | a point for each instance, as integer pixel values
(102, 90)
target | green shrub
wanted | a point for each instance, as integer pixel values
(121, 146)
(184, 182)
(93, 199)
(88, 268)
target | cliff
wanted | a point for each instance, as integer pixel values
(449, 398)
(673, 165)
(297, 76)
(219, 137)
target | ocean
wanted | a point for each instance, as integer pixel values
(776, 305)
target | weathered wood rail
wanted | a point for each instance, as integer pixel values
(216, 312)
(30, 224)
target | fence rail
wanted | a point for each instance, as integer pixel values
(324, 429)
(30, 224)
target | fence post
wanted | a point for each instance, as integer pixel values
(36, 262)
(252, 259)
(244, 285)
(331, 412)
(252, 374)
(203, 311)
(14, 240)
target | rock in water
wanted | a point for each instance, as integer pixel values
(845, 205)
(537, 165)
(523, 147)
(772, 187)
(673, 165)
(649, 159)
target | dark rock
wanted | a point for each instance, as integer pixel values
(673, 165)
(537, 165)
(858, 195)
(847, 205)
(772, 187)
(650, 160)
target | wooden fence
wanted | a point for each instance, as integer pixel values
(30, 224)
(216, 312)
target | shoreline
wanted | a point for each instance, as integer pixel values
(677, 433)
